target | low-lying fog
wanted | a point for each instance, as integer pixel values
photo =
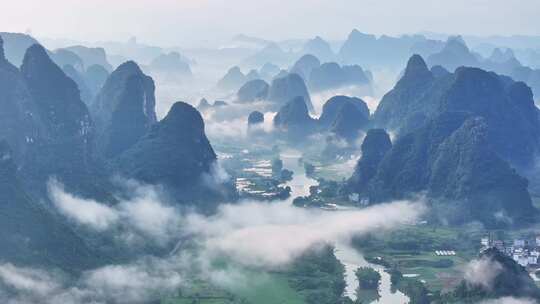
(249, 234)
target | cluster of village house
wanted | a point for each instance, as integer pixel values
(526, 252)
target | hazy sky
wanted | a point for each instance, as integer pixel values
(173, 22)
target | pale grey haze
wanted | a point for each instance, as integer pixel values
(173, 22)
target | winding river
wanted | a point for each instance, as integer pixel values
(348, 256)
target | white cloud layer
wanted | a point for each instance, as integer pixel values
(143, 216)
(263, 234)
(253, 234)
(137, 282)
(482, 272)
(86, 212)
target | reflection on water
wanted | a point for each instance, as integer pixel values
(348, 256)
(352, 261)
(300, 183)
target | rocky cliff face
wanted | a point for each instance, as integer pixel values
(175, 152)
(454, 54)
(64, 149)
(56, 96)
(129, 122)
(502, 102)
(287, 88)
(49, 126)
(405, 169)
(2, 52)
(294, 113)
(63, 57)
(30, 234)
(374, 147)
(467, 173)
(349, 123)
(15, 46)
(124, 110)
(305, 65)
(233, 79)
(294, 121)
(87, 96)
(334, 105)
(253, 90)
(356, 46)
(451, 160)
(95, 77)
(19, 120)
(439, 71)
(509, 112)
(319, 48)
(332, 76)
(406, 97)
(91, 56)
(344, 116)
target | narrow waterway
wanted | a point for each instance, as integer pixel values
(352, 261)
(300, 183)
(347, 255)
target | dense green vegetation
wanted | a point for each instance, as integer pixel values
(319, 276)
(269, 288)
(412, 251)
(368, 278)
(415, 239)
(316, 277)
(259, 287)
(412, 288)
